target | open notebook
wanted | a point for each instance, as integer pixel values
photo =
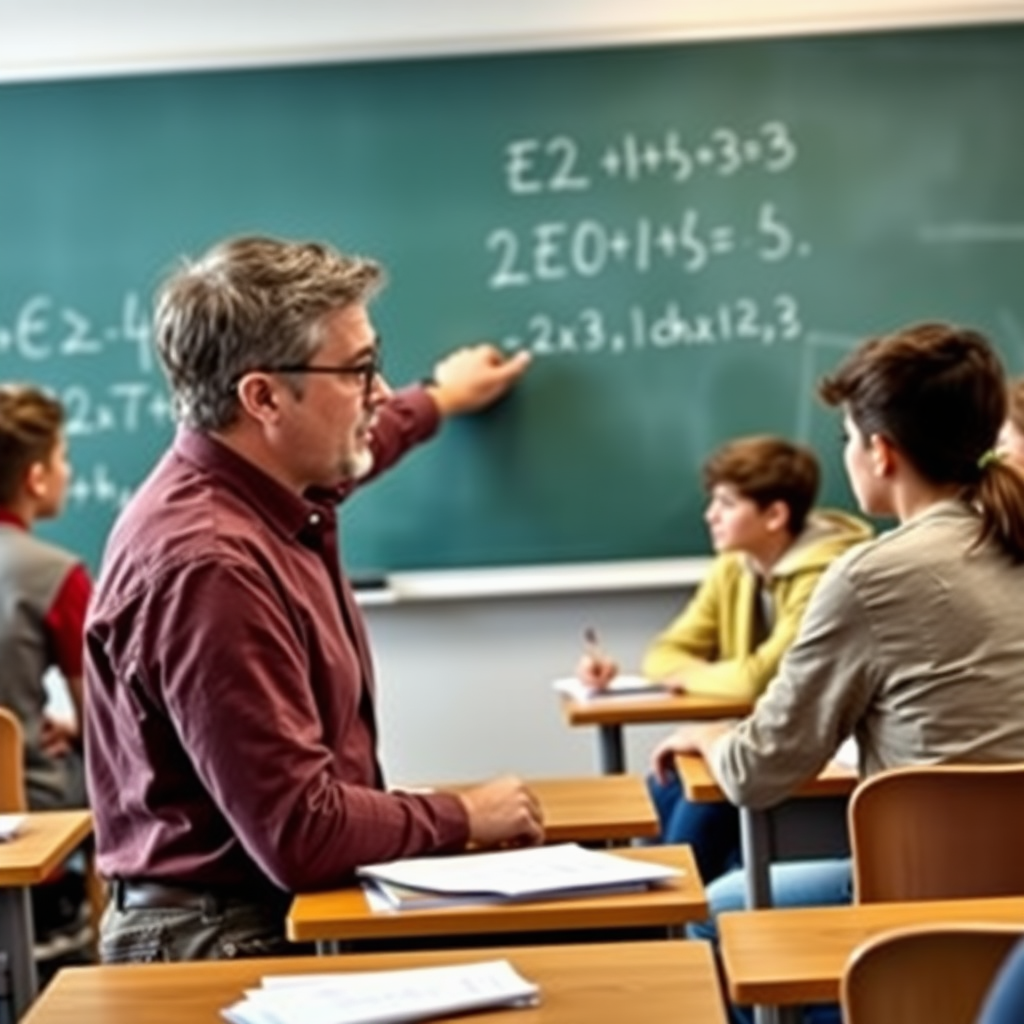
(545, 872)
(625, 686)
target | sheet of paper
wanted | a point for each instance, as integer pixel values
(10, 825)
(383, 997)
(622, 687)
(539, 871)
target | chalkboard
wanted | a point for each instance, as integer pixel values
(686, 236)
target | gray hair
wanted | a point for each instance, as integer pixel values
(247, 304)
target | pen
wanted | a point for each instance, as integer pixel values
(593, 645)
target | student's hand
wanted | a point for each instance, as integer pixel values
(58, 738)
(683, 741)
(471, 378)
(503, 812)
(596, 670)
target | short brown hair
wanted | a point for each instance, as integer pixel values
(1015, 403)
(30, 427)
(766, 469)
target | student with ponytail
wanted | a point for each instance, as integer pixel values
(912, 642)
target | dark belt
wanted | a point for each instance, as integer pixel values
(139, 894)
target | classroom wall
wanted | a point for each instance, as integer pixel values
(465, 682)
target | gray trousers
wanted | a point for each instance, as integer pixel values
(219, 930)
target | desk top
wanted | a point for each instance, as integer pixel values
(700, 785)
(586, 984)
(781, 957)
(593, 808)
(680, 707)
(343, 913)
(45, 840)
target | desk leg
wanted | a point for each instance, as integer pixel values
(16, 938)
(610, 754)
(756, 845)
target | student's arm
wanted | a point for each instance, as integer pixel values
(748, 676)
(692, 639)
(824, 685)
(65, 629)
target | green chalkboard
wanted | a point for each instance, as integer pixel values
(686, 236)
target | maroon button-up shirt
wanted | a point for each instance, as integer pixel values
(230, 733)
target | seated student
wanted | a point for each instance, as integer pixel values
(911, 642)
(772, 548)
(1011, 436)
(1004, 1003)
(43, 595)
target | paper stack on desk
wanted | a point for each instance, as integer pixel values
(10, 825)
(383, 997)
(620, 686)
(542, 872)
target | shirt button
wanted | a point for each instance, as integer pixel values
(314, 519)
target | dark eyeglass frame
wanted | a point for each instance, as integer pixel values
(369, 371)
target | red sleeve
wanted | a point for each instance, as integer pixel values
(65, 621)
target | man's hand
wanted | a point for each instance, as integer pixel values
(596, 670)
(471, 378)
(503, 813)
(57, 737)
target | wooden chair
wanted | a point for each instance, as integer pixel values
(13, 800)
(938, 832)
(929, 974)
(12, 765)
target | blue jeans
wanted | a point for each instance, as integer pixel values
(1005, 1001)
(712, 830)
(806, 883)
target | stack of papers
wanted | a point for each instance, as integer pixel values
(543, 872)
(621, 686)
(10, 825)
(383, 997)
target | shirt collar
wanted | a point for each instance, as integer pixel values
(10, 519)
(284, 510)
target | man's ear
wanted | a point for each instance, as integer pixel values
(259, 397)
(884, 456)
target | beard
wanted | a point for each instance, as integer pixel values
(358, 464)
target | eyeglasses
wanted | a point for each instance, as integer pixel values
(368, 371)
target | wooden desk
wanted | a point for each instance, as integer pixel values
(343, 914)
(45, 841)
(812, 823)
(593, 809)
(789, 957)
(610, 714)
(585, 984)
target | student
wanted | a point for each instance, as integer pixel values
(43, 595)
(1011, 436)
(911, 642)
(230, 716)
(772, 547)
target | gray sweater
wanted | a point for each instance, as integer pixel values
(912, 643)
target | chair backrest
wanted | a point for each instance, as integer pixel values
(938, 832)
(12, 764)
(929, 974)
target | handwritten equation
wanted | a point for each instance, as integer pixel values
(593, 331)
(559, 163)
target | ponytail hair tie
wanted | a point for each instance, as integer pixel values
(987, 458)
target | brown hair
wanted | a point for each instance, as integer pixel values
(766, 469)
(1015, 403)
(30, 427)
(938, 393)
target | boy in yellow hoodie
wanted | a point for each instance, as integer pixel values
(772, 548)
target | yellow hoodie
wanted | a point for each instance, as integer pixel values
(710, 646)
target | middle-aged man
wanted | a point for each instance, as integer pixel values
(231, 738)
